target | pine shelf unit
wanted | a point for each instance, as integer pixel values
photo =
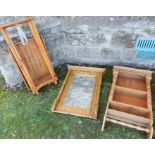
(130, 102)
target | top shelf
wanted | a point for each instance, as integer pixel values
(131, 80)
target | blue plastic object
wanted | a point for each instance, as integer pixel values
(145, 49)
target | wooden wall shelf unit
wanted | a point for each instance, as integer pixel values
(32, 59)
(130, 102)
(79, 94)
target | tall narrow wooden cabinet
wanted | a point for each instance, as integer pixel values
(31, 59)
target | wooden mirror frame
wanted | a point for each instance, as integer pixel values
(58, 105)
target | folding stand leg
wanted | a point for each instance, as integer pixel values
(150, 134)
(103, 125)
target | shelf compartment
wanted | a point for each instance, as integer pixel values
(130, 109)
(131, 80)
(135, 98)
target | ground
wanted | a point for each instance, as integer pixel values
(24, 115)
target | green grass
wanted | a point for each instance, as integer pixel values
(24, 115)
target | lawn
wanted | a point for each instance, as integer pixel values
(24, 115)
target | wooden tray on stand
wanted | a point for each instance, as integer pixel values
(32, 60)
(130, 102)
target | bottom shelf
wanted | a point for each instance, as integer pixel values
(43, 80)
(128, 118)
(128, 125)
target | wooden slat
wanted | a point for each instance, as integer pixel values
(128, 118)
(150, 134)
(115, 76)
(149, 101)
(74, 110)
(149, 97)
(129, 108)
(57, 100)
(44, 83)
(128, 125)
(132, 75)
(85, 69)
(131, 91)
(21, 21)
(128, 69)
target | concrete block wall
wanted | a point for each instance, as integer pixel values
(88, 40)
(106, 40)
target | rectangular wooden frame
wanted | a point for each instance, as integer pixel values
(134, 116)
(58, 105)
(25, 72)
